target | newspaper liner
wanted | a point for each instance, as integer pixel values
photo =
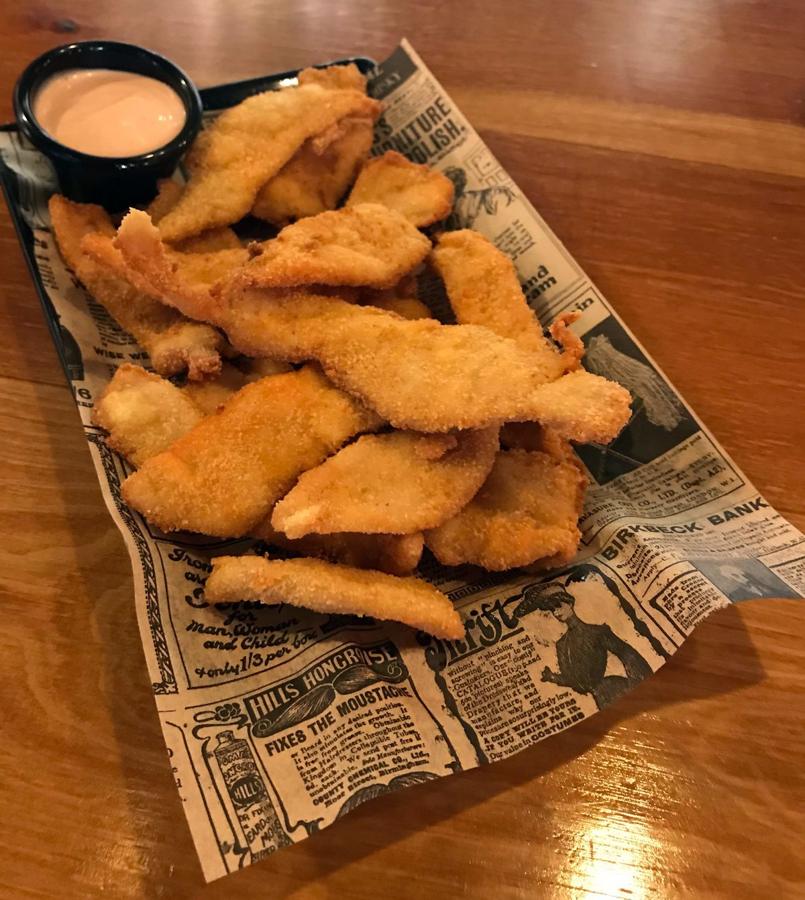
(279, 721)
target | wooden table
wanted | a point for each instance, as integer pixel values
(663, 142)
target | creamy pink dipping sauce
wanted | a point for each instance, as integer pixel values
(105, 112)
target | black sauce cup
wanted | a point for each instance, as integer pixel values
(114, 182)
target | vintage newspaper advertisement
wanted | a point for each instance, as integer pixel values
(279, 721)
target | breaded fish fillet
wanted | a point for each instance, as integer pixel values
(196, 267)
(582, 407)
(483, 289)
(168, 194)
(334, 78)
(366, 245)
(527, 510)
(395, 554)
(223, 476)
(419, 193)
(329, 588)
(314, 180)
(143, 413)
(396, 483)
(209, 395)
(173, 342)
(247, 145)
(421, 375)
(418, 375)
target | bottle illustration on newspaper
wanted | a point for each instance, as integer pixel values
(280, 720)
(259, 823)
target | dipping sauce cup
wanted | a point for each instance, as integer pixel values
(115, 182)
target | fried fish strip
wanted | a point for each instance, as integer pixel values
(395, 554)
(149, 262)
(527, 510)
(366, 245)
(168, 193)
(582, 407)
(419, 193)
(392, 364)
(343, 77)
(483, 289)
(223, 476)
(143, 413)
(396, 483)
(209, 395)
(247, 145)
(314, 180)
(203, 268)
(330, 588)
(209, 268)
(172, 342)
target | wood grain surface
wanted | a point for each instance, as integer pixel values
(663, 142)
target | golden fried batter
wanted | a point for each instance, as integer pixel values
(533, 436)
(210, 241)
(247, 145)
(223, 476)
(421, 375)
(419, 193)
(527, 510)
(396, 554)
(313, 181)
(396, 483)
(329, 588)
(582, 407)
(402, 299)
(407, 307)
(343, 77)
(168, 194)
(209, 268)
(571, 344)
(209, 395)
(418, 375)
(172, 341)
(483, 289)
(196, 267)
(143, 413)
(366, 245)
(264, 451)
(150, 264)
